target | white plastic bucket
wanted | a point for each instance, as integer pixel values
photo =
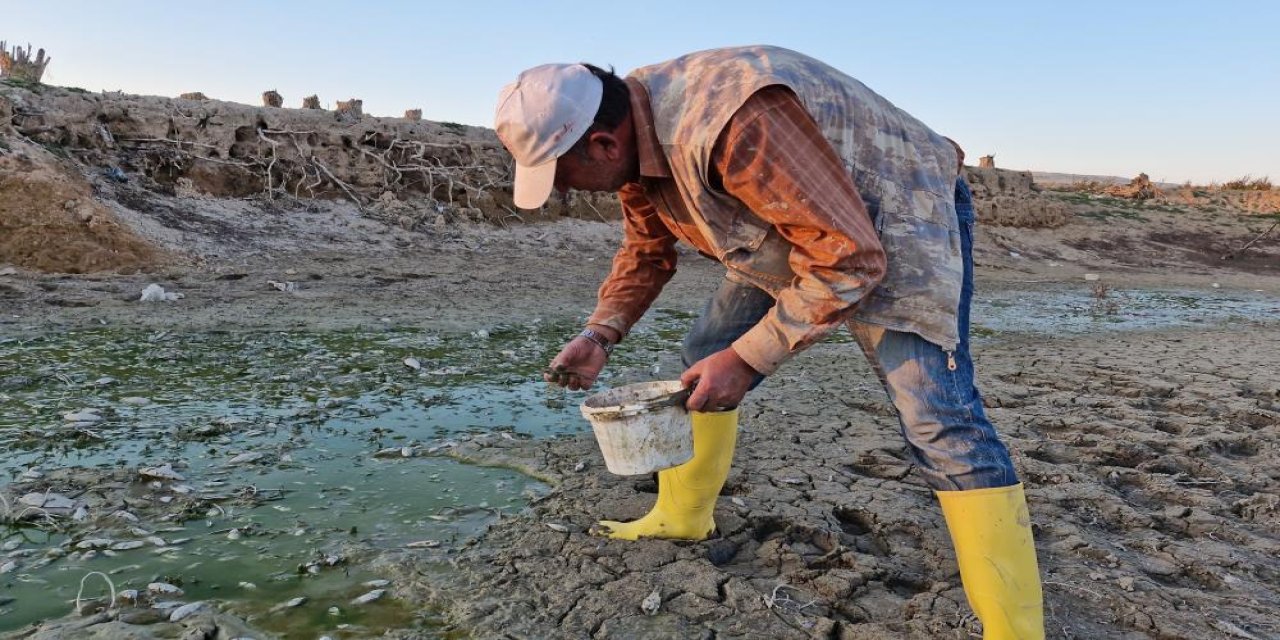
(641, 428)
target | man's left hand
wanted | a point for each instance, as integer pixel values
(722, 379)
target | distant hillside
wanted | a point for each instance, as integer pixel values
(1046, 178)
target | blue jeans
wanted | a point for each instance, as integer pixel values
(951, 441)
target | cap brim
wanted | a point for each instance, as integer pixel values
(533, 184)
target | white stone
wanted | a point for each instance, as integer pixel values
(186, 610)
(372, 596)
(164, 588)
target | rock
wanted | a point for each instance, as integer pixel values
(187, 610)
(651, 603)
(1091, 277)
(142, 617)
(93, 543)
(412, 363)
(135, 401)
(377, 584)
(555, 526)
(246, 458)
(128, 545)
(291, 604)
(54, 503)
(372, 596)
(164, 588)
(8, 567)
(86, 416)
(423, 544)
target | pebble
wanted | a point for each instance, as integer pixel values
(334, 611)
(186, 610)
(135, 401)
(93, 543)
(47, 501)
(8, 567)
(377, 584)
(1091, 277)
(164, 588)
(128, 545)
(651, 603)
(246, 458)
(162, 472)
(372, 596)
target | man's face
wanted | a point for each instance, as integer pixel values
(604, 162)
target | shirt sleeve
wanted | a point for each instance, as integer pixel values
(642, 266)
(773, 157)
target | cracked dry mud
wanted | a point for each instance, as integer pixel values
(1153, 489)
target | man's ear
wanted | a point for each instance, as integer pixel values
(603, 145)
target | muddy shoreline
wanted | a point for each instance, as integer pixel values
(1149, 455)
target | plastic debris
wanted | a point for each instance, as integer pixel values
(156, 293)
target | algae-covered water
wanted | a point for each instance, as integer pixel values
(276, 437)
(304, 454)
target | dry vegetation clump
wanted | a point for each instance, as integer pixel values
(1248, 183)
(1140, 188)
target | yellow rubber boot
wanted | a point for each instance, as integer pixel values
(687, 493)
(991, 531)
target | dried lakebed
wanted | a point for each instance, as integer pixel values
(269, 469)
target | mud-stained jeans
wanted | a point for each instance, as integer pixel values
(939, 408)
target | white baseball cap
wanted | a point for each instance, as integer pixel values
(539, 118)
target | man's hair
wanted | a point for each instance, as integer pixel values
(615, 104)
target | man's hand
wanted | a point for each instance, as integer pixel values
(722, 379)
(577, 365)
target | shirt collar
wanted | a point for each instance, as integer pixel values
(653, 162)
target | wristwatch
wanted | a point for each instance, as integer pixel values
(599, 339)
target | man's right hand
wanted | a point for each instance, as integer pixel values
(577, 365)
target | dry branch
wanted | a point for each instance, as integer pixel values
(1260, 236)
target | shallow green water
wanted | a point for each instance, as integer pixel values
(317, 407)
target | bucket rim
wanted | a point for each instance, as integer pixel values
(652, 396)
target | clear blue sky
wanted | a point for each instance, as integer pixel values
(1180, 90)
